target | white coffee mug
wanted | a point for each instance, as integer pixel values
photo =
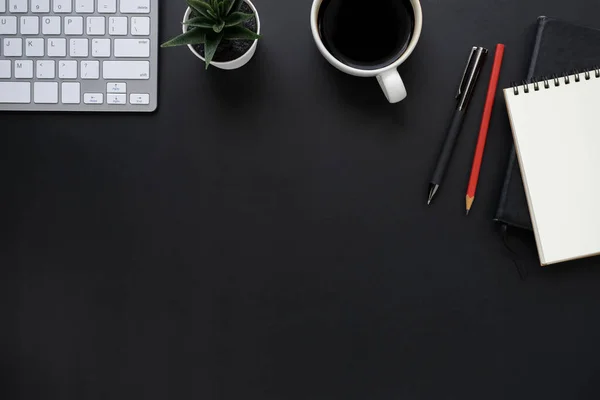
(388, 77)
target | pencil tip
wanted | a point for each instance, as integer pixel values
(469, 204)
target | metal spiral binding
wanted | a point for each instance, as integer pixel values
(567, 78)
(556, 79)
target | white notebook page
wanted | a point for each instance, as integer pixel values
(557, 138)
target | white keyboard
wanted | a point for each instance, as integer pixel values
(78, 55)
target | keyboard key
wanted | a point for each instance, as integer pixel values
(90, 70)
(95, 25)
(2, 6)
(132, 47)
(34, 47)
(24, 69)
(135, 6)
(40, 6)
(140, 26)
(73, 25)
(15, 92)
(84, 6)
(139, 98)
(30, 25)
(70, 93)
(17, 6)
(67, 69)
(126, 70)
(5, 68)
(119, 99)
(8, 25)
(107, 6)
(13, 47)
(45, 92)
(101, 48)
(117, 26)
(51, 26)
(62, 6)
(78, 47)
(93, 98)
(45, 69)
(116, 87)
(57, 47)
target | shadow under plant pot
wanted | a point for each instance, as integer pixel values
(231, 54)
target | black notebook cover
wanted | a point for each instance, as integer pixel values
(559, 47)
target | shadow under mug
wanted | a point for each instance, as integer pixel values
(388, 77)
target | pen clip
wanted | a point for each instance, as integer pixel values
(461, 87)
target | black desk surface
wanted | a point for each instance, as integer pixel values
(274, 243)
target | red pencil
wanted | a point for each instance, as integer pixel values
(485, 124)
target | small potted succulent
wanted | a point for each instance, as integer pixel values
(223, 33)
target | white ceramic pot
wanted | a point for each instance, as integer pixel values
(238, 62)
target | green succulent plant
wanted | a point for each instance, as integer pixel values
(211, 22)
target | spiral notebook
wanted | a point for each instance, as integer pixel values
(556, 129)
(558, 45)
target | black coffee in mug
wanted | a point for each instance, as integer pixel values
(366, 34)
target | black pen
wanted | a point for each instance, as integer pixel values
(465, 90)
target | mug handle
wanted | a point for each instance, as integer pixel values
(392, 85)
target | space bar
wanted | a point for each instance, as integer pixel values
(15, 92)
(126, 69)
